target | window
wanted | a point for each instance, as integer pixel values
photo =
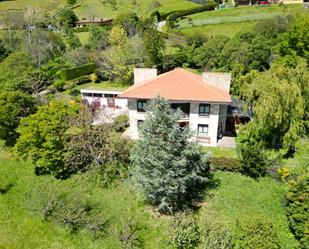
(98, 95)
(107, 95)
(139, 124)
(204, 109)
(202, 129)
(141, 105)
(87, 94)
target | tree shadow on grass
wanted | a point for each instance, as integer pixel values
(211, 185)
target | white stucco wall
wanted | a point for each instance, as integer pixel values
(211, 120)
(194, 120)
(119, 103)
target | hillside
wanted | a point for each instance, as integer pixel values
(85, 8)
(232, 20)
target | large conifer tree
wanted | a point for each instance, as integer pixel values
(171, 170)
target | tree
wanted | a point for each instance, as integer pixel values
(295, 42)
(87, 145)
(208, 56)
(67, 18)
(98, 37)
(154, 46)
(280, 103)
(73, 40)
(3, 51)
(42, 138)
(13, 107)
(128, 21)
(77, 57)
(42, 45)
(117, 36)
(171, 170)
(15, 71)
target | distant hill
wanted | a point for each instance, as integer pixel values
(86, 8)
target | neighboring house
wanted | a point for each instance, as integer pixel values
(97, 22)
(202, 99)
(103, 99)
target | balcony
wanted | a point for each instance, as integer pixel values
(184, 108)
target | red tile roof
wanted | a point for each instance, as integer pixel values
(178, 84)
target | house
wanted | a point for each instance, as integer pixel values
(203, 100)
(103, 99)
(97, 22)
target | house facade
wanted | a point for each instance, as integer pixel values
(103, 98)
(203, 100)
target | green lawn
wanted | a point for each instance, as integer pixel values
(236, 196)
(232, 20)
(239, 196)
(83, 37)
(221, 152)
(87, 8)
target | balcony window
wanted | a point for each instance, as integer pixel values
(202, 129)
(141, 105)
(184, 107)
(204, 109)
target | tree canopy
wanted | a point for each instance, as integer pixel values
(171, 170)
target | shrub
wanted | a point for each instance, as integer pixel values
(81, 29)
(298, 209)
(65, 204)
(256, 233)
(130, 234)
(121, 123)
(216, 235)
(225, 164)
(186, 232)
(59, 84)
(72, 73)
(253, 160)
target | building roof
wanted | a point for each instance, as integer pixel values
(180, 85)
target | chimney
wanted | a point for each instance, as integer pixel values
(219, 80)
(143, 74)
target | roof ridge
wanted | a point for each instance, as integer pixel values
(139, 85)
(187, 73)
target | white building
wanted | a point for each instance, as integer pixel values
(202, 99)
(104, 98)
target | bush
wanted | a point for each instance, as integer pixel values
(72, 73)
(59, 84)
(65, 204)
(121, 123)
(81, 29)
(216, 235)
(225, 164)
(256, 233)
(298, 209)
(186, 232)
(253, 160)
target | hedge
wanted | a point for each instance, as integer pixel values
(72, 73)
(180, 13)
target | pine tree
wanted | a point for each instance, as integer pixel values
(171, 170)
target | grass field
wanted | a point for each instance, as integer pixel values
(232, 20)
(234, 197)
(87, 8)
